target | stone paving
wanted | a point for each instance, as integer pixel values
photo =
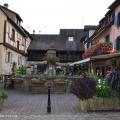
(21, 106)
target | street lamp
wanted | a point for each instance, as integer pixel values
(49, 85)
(49, 100)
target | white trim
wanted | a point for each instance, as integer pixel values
(80, 62)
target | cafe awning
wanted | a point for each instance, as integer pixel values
(96, 58)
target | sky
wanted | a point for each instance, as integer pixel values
(49, 16)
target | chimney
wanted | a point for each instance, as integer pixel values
(6, 5)
(33, 31)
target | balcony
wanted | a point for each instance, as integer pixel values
(98, 49)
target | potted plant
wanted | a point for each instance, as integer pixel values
(60, 80)
(84, 88)
(19, 73)
(3, 96)
(105, 98)
(51, 59)
(40, 79)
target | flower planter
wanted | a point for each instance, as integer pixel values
(60, 86)
(1, 103)
(38, 82)
(100, 104)
(18, 80)
(8, 82)
(60, 82)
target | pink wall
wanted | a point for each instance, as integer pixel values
(101, 37)
(115, 32)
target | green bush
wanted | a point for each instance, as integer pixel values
(102, 87)
(84, 87)
(21, 71)
(3, 94)
(51, 59)
(61, 77)
(40, 76)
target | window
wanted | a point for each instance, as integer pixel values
(107, 38)
(71, 39)
(118, 43)
(13, 35)
(118, 20)
(19, 60)
(18, 45)
(8, 57)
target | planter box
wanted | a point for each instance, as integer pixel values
(18, 80)
(100, 104)
(1, 103)
(60, 86)
(40, 82)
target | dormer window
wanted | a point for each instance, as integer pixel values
(18, 22)
(118, 20)
(71, 39)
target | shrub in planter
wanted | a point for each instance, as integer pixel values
(106, 98)
(41, 76)
(60, 79)
(21, 71)
(84, 88)
(40, 79)
(102, 88)
(51, 59)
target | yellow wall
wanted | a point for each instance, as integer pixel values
(2, 19)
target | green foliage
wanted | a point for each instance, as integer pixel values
(51, 58)
(80, 70)
(61, 77)
(41, 76)
(84, 87)
(21, 71)
(3, 94)
(102, 87)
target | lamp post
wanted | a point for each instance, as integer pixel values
(49, 100)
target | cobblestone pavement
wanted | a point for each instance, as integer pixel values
(21, 106)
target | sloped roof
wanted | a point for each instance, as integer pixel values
(114, 4)
(20, 28)
(90, 27)
(60, 41)
(8, 11)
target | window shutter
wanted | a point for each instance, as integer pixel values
(6, 57)
(118, 43)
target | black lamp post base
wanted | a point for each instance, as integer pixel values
(49, 101)
(49, 109)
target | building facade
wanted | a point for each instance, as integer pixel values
(105, 42)
(67, 45)
(14, 41)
